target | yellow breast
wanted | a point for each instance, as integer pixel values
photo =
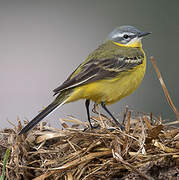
(111, 90)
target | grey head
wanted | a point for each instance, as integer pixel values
(126, 35)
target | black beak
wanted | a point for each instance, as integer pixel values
(141, 34)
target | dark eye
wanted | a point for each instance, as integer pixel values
(125, 36)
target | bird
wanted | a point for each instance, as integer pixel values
(111, 72)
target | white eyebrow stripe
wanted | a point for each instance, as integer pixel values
(122, 34)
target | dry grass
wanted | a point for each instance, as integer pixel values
(147, 149)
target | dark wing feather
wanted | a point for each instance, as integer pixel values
(95, 69)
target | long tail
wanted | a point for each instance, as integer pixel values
(39, 117)
(60, 100)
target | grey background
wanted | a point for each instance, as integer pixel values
(42, 42)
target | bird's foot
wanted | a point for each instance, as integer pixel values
(92, 127)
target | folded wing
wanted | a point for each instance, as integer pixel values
(98, 69)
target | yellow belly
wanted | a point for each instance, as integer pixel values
(111, 90)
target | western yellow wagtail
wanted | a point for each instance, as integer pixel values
(112, 71)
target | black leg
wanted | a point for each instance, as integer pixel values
(87, 103)
(105, 108)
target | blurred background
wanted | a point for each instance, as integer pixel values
(42, 42)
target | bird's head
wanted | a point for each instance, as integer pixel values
(127, 36)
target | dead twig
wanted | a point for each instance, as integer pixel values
(165, 90)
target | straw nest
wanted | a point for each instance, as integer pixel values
(146, 149)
